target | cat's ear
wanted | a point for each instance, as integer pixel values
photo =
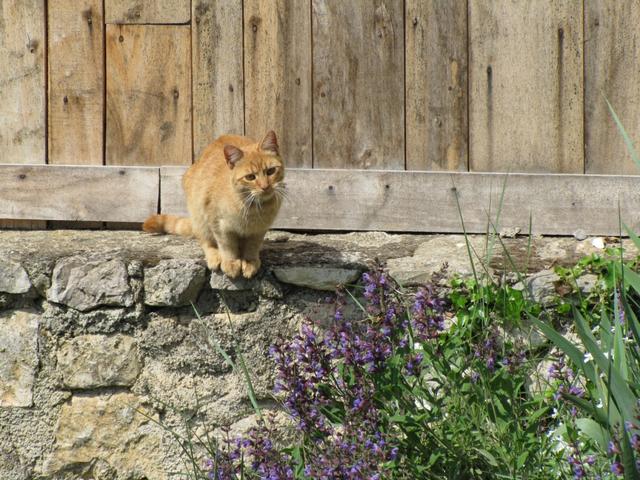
(270, 143)
(232, 155)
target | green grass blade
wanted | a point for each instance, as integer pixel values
(627, 139)
(576, 356)
(632, 236)
(620, 391)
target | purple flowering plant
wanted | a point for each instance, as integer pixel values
(597, 378)
(412, 386)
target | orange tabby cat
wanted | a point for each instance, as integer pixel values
(233, 195)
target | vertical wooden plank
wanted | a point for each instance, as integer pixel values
(22, 88)
(218, 94)
(526, 90)
(76, 82)
(148, 95)
(147, 11)
(612, 61)
(277, 62)
(22, 81)
(358, 85)
(436, 84)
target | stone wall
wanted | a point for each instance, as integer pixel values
(98, 339)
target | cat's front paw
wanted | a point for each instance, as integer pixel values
(213, 259)
(250, 267)
(232, 267)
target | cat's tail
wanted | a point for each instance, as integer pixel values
(168, 224)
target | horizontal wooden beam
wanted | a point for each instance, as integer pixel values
(403, 201)
(340, 199)
(78, 193)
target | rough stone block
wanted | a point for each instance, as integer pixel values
(91, 361)
(86, 284)
(219, 281)
(18, 357)
(111, 431)
(13, 278)
(316, 277)
(173, 283)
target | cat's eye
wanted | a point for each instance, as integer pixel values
(271, 171)
(251, 177)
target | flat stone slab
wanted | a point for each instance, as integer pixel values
(317, 278)
(107, 429)
(85, 284)
(93, 361)
(18, 357)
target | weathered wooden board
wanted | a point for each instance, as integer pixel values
(147, 11)
(426, 201)
(436, 85)
(277, 65)
(218, 93)
(612, 61)
(526, 92)
(56, 192)
(76, 82)
(22, 87)
(358, 84)
(22, 81)
(148, 95)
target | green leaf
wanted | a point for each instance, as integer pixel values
(632, 236)
(594, 431)
(627, 140)
(522, 459)
(490, 458)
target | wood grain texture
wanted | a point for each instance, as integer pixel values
(277, 63)
(425, 201)
(218, 93)
(127, 194)
(526, 92)
(22, 81)
(22, 88)
(147, 11)
(76, 82)
(612, 62)
(148, 95)
(358, 85)
(436, 85)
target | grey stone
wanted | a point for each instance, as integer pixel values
(92, 361)
(430, 257)
(219, 281)
(18, 357)
(316, 278)
(541, 287)
(13, 278)
(587, 283)
(580, 234)
(173, 282)
(86, 284)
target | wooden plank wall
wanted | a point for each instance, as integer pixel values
(437, 85)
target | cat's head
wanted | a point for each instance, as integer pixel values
(257, 170)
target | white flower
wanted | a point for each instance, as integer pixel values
(595, 329)
(587, 357)
(417, 346)
(555, 413)
(600, 404)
